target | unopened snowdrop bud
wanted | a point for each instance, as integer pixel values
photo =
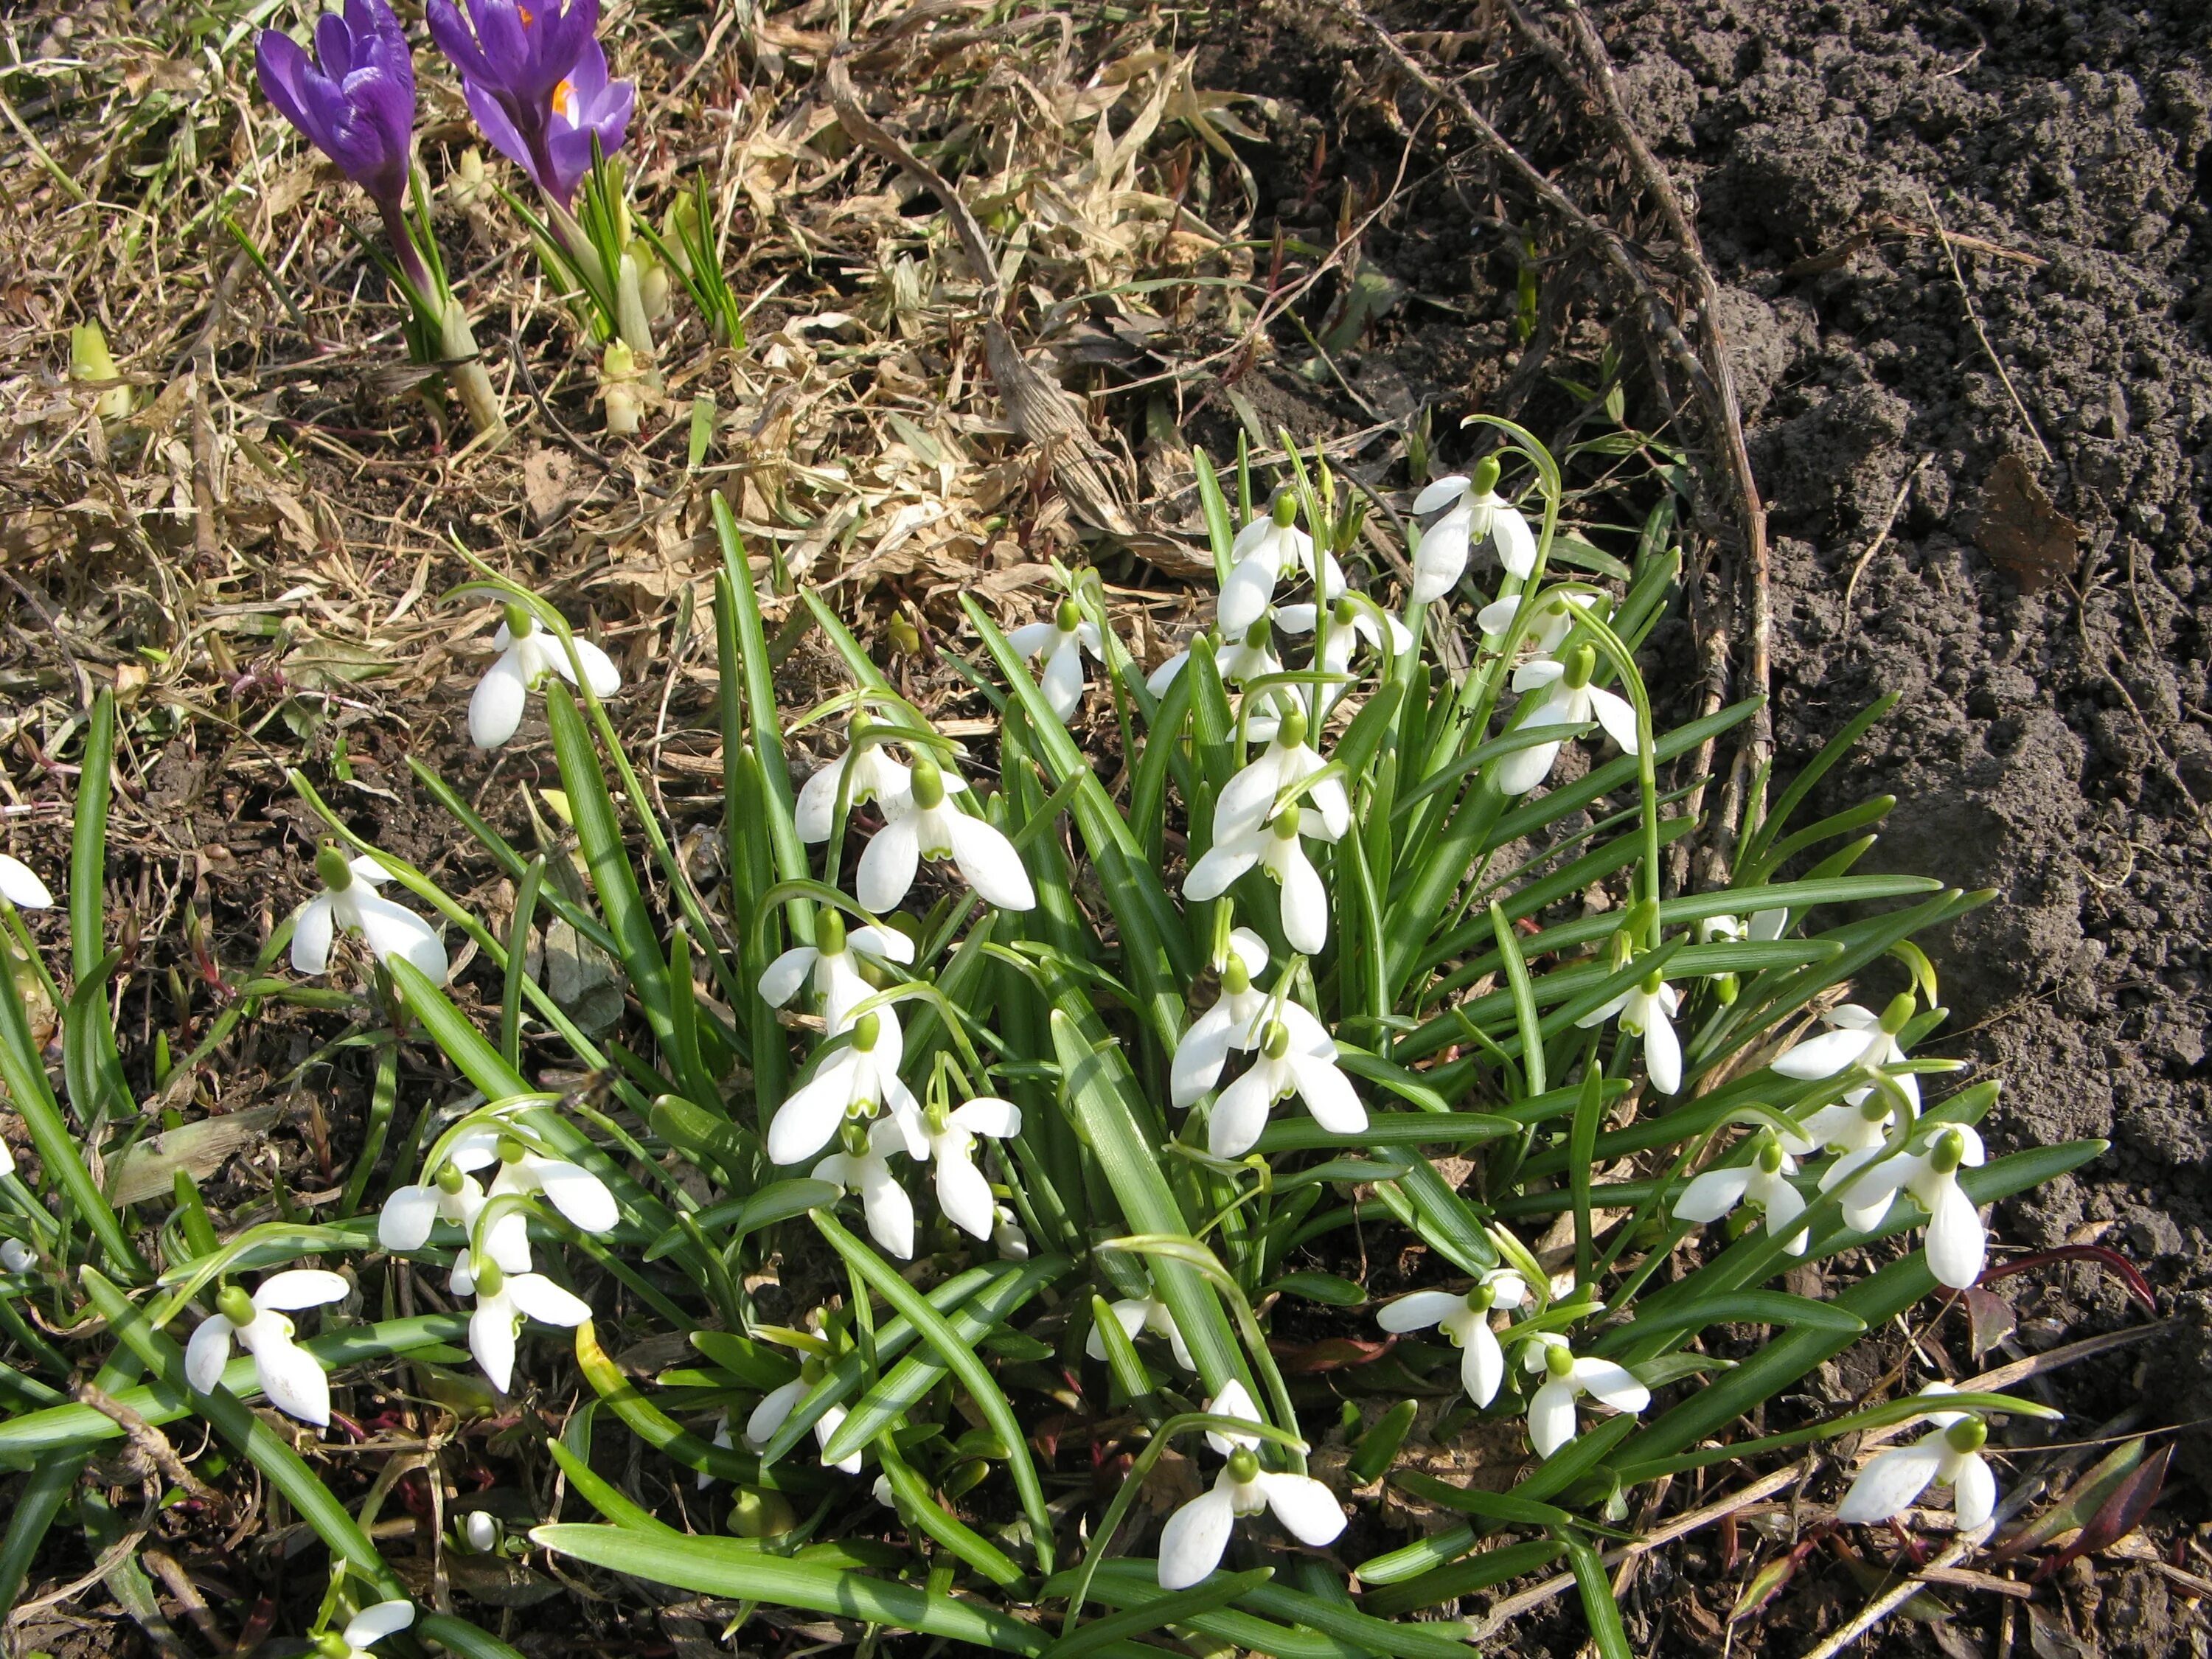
(90, 360)
(482, 1531)
(16, 1256)
(906, 638)
(1899, 1014)
(619, 388)
(756, 1513)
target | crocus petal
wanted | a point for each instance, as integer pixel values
(294, 1384)
(1241, 1114)
(1662, 1056)
(373, 1624)
(1612, 1383)
(1307, 1509)
(964, 1195)
(1195, 1535)
(773, 1410)
(1957, 1247)
(1482, 1363)
(1327, 1094)
(20, 886)
(393, 930)
(311, 934)
(1889, 1484)
(989, 861)
(1823, 1056)
(780, 980)
(1712, 1194)
(546, 1302)
(578, 1195)
(1420, 1310)
(492, 1340)
(408, 1215)
(1974, 1493)
(301, 1287)
(887, 867)
(208, 1352)
(1551, 1417)
(1617, 716)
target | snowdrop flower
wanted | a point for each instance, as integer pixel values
(350, 902)
(20, 886)
(1956, 1246)
(481, 1531)
(16, 1256)
(853, 1082)
(1477, 513)
(1276, 848)
(1007, 1237)
(1647, 1010)
(1763, 926)
(1251, 657)
(371, 1624)
(875, 776)
(1205, 1046)
(931, 827)
(526, 654)
(1551, 1407)
(1276, 778)
(1556, 614)
(769, 1416)
(503, 1298)
(1465, 1320)
(1763, 1182)
(963, 1191)
(576, 1193)
(1856, 1129)
(1951, 1456)
(1060, 643)
(409, 1214)
(290, 1376)
(1138, 1314)
(1296, 1057)
(833, 962)
(1191, 1542)
(1263, 552)
(1860, 1039)
(1570, 701)
(1346, 625)
(864, 1167)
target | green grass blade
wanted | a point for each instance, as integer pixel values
(1598, 1605)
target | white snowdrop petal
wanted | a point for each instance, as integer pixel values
(773, 1410)
(546, 1302)
(1162, 677)
(888, 868)
(1200, 1056)
(1890, 1483)
(1551, 1417)
(1515, 541)
(1195, 1535)
(816, 808)
(1524, 768)
(311, 934)
(1822, 1056)
(992, 865)
(393, 930)
(1244, 597)
(805, 1123)
(1062, 681)
(408, 1215)
(599, 670)
(1617, 716)
(1420, 1310)
(578, 1194)
(1784, 1204)
(1482, 1363)
(1032, 637)
(1240, 1114)
(889, 1211)
(208, 1352)
(988, 1114)
(495, 706)
(1441, 559)
(1212, 875)
(1234, 1400)
(964, 1195)
(1712, 1194)
(301, 1287)
(1613, 1383)
(1662, 1056)
(1327, 1094)
(294, 1384)
(20, 886)
(1441, 494)
(1307, 1509)
(492, 1340)
(372, 1624)
(1974, 1493)
(780, 980)
(1305, 903)
(1956, 1246)
(884, 944)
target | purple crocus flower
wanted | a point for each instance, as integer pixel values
(536, 79)
(357, 104)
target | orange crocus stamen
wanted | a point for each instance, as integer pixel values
(564, 102)
(525, 14)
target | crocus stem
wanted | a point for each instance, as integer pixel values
(402, 238)
(467, 374)
(630, 322)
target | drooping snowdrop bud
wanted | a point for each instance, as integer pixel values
(1143, 1314)
(20, 886)
(289, 1375)
(481, 1531)
(527, 653)
(875, 777)
(1191, 1542)
(1273, 781)
(1763, 1182)
(1476, 513)
(1198, 1057)
(1860, 1039)
(931, 827)
(864, 1167)
(348, 900)
(1061, 642)
(779, 1404)
(1948, 1456)
(1570, 700)
(1647, 1010)
(365, 1629)
(835, 962)
(16, 1256)
(1276, 848)
(1294, 1055)
(853, 1082)
(1465, 1320)
(1007, 1237)
(504, 1298)
(1551, 1421)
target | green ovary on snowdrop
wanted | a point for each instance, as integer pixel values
(1566, 1376)
(1950, 1456)
(1465, 1320)
(526, 654)
(289, 1377)
(1191, 1542)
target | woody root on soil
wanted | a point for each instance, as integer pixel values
(1063, 1073)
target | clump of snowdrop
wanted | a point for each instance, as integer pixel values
(1567, 1377)
(505, 1296)
(835, 962)
(289, 1375)
(1763, 1182)
(1135, 1315)
(366, 1629)
(1950, 1455)
(1647, 1010)
(1474, 512)
(349, 904)
(527, 653)
(930, 826)
(1465, 1318)
(1560, 694)
(1191, 1542)
(20, 886)
(1058, 644)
